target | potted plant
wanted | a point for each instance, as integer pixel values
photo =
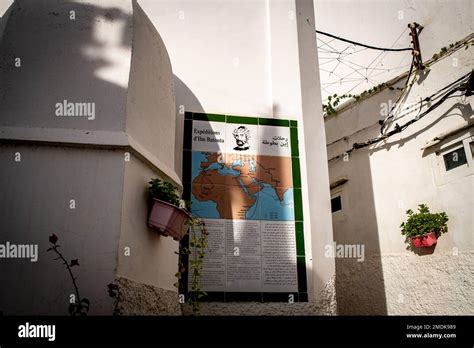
(168, 215)
(424, 228)
(171, 217)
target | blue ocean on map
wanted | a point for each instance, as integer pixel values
(197, 158)
(269, 206)
(204, 209)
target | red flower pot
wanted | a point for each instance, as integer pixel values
(425, 240)
(168, 219)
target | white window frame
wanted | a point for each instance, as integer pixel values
(443, 176)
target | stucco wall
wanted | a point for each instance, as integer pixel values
(103, 163)
(5, 10)
(152, 259)
(150, 98)
(83, 63)
(35, 203)
(150, 123)
(387, 179)
(37, 190)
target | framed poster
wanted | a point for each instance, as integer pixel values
(242, 177)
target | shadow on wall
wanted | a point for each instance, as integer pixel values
(5, 13)
(186, 100)
(360, 288)
(464, 110)
(60, 60)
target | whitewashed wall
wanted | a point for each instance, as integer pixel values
(387, 179)
(109, 55)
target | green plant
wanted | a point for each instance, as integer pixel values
(333, 102)
(165, 191)
(192, 251)
(424, 222)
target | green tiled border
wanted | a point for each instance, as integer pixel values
(273, 122)
(263, 121)
(299, 236)
(294, 142)
(295, 166)
(242, 119)
(301, 270)
(188, 135)
(298, 201)
(186, 168)
(208, 117)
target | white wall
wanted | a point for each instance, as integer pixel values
(387, 179)
(4, 13)
(35, 203)
(150, 122)
(104, 163)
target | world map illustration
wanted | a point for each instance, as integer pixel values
(242, 186)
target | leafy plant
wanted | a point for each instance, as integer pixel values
(79, 306)
(114, 292)
(194, 251)
(424, 222)
(333, 102)
(165, 191)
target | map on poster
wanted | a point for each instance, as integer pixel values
(242, 177)
(261, 187)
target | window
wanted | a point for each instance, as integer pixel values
(455, 158)
(336, 204)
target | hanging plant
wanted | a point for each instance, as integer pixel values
(171, 216)
(423, 229)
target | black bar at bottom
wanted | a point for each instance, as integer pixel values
(258, 330)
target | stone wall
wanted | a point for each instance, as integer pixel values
(442, 284)
(325, 305)
(143, 299)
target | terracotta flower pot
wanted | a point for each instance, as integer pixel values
(424, 241)
(168, 219)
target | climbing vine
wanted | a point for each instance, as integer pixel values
(194, 252)
(334, 100)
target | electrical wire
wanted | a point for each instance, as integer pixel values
(404, 89)
(357, 73)
(399, 129)
(364, 45)
(465, 86)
